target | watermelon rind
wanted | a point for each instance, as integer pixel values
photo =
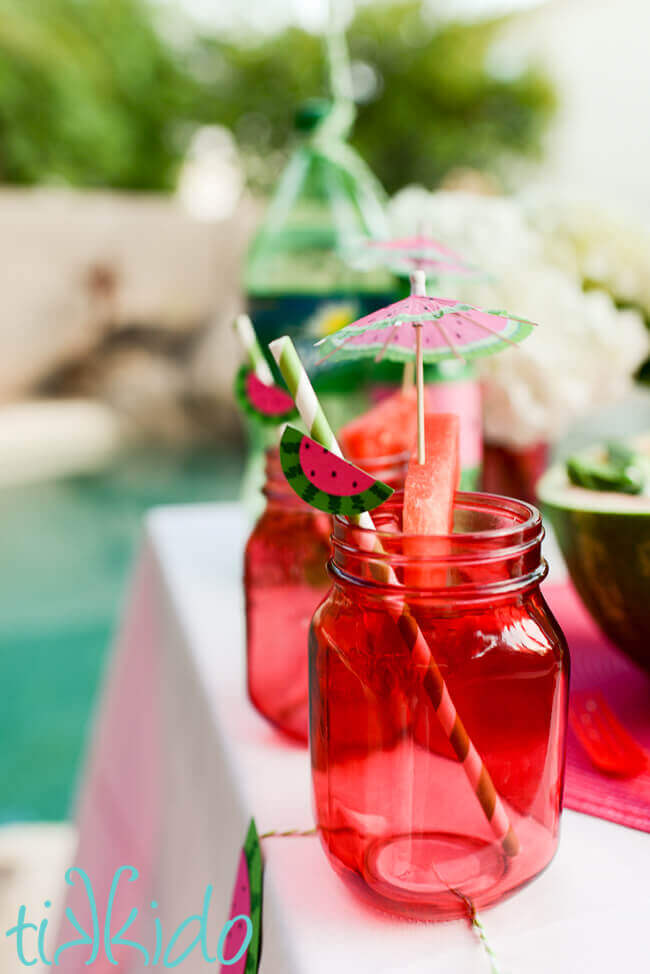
(555, 489)
(604, 476)
(244, 403)
(605, 540)
(347, 505)
(246, 901)
(253, 855)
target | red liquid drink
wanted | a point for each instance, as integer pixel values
(285, 578)
(396, 812)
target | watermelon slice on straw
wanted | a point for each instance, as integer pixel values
(388, 429)
(268, 404)
(326, 481)
(246, 902)
(429, 496)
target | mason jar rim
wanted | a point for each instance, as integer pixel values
(470, 564)
(472, 500)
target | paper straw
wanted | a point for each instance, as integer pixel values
(311, 412)
(250, 344)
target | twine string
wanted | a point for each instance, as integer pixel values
(479, 929)
(274, 834)
(472, 913)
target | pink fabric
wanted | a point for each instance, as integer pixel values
(120, 807)
(598, 665)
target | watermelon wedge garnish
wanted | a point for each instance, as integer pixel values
(429, 492)
(430, 486)
(386, 430)
(326, 481)
(246, 902)
(268, 404)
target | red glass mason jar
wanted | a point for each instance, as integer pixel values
(401, 816)
(285, 577)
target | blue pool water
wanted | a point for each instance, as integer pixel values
(67, 547)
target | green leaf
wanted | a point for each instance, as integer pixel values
(93, 94)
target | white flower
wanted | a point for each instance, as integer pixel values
(595, 245)
(584, 351)
(469, 224)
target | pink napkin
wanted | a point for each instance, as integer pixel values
(598, 665)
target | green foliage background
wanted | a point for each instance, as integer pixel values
(88, 95)
(93, 94)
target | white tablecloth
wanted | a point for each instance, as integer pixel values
(180, 761)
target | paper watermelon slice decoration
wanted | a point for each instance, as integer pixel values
(246, 902)
(326, 481)
(267, 404)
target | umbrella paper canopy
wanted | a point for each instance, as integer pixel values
(427, 330)
(449, 329)
(408, 254)
(419, 247)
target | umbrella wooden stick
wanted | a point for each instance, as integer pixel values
(408, 376)
(419, 372)
(418, 287)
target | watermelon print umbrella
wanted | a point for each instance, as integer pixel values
(408, 254)
(405, 255)
(428, 329)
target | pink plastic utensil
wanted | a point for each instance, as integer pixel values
(610, 747)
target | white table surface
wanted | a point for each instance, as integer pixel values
(219, 763)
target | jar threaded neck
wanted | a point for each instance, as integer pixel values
(495, 549)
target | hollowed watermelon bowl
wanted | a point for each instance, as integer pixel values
(605, 539)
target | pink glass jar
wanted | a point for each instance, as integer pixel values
(285, 577)
(514, 473)
(398, 814)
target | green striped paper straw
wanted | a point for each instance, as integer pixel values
(250, 344)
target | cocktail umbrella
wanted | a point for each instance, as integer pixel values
(408, 254)
(428, 329)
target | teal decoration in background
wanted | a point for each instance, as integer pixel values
(67, 549)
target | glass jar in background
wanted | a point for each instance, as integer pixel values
(397, 815)
(285, 578)
(450, 387)
(296, 278)
(514, 472)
